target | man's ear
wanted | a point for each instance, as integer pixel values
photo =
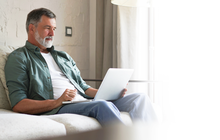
(31, 28)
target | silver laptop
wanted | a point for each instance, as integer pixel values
(111, 88)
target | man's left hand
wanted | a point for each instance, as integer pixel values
(124, 92)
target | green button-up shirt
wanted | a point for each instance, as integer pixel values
(27, 74)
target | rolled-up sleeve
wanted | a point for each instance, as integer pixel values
(16, 78)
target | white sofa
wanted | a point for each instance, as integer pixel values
(22, 126)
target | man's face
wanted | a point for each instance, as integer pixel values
(45, 31)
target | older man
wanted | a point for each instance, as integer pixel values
(39, 79)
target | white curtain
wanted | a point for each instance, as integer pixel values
(123, 42)
(132, 44)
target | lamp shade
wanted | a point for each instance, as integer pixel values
(132, 3)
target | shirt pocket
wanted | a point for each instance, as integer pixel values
(68, 66)
(71, 70)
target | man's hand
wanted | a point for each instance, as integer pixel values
(67, 95)
(124, 92)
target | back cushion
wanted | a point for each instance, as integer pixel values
(4, 103)
(4, 94)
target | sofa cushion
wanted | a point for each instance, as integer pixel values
(78, 123)
(4, 52)
(21, 126)
(75, 123)
(4, 103)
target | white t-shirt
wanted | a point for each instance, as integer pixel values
(59, 81)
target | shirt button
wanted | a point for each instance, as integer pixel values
(48, 77)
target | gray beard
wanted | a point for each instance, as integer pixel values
(43, 42)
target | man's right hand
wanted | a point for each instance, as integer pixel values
(67, 95)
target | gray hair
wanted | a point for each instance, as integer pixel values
(34, 17)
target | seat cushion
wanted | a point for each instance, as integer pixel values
(78, 123)
(72, 123)
(21, 126)
(75, 123)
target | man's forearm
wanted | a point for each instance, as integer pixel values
(29, 106)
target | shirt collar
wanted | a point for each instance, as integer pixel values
(34, 48)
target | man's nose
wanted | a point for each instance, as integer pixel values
(52, 32)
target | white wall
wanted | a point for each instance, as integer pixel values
(187, 41)
(73, 13)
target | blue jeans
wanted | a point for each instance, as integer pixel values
(137, 105)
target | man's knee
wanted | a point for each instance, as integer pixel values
(144, 97)
(105, 105)
(138, 95)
